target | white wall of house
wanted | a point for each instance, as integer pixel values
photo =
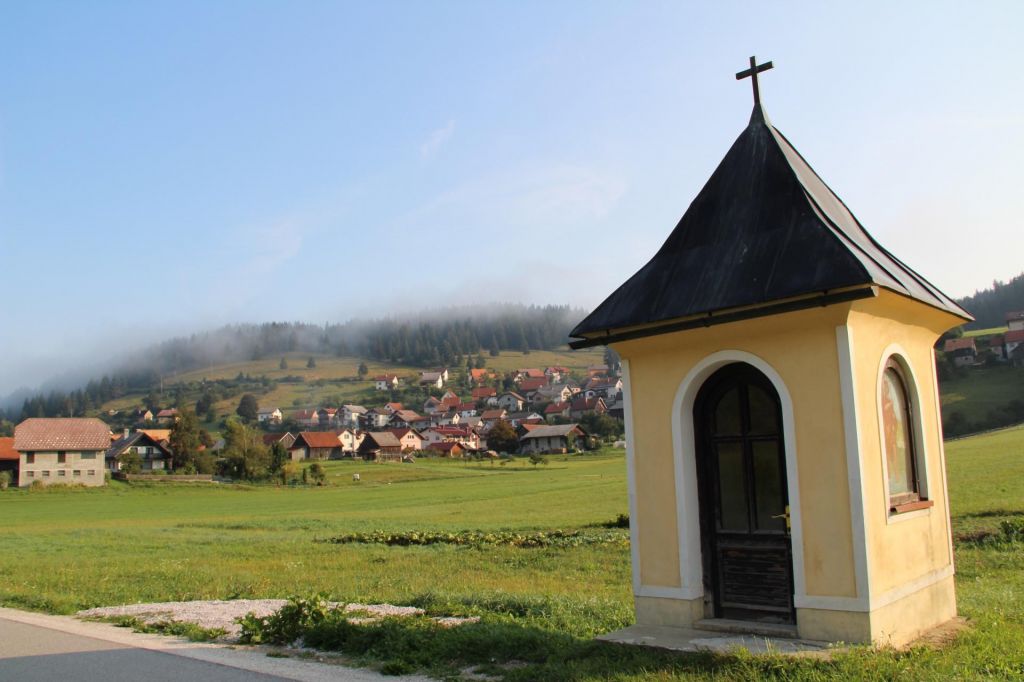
(86, 468)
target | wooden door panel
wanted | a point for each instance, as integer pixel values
(743, 496)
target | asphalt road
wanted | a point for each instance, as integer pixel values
(36, 647)
(29, 653)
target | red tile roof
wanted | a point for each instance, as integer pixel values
(7, 450)
(556, 408)
(61, 434)
(484, 392)
(532, 384)
(318, 439)
(492, 414)
(446, 446)
(959, 344)
(1016, 336)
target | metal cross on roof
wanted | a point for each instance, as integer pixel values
(752, 74)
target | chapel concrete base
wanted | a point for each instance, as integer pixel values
(692, 640)
(897, 623)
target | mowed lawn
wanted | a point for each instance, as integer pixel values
(71, 550)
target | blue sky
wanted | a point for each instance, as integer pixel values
(172, 166)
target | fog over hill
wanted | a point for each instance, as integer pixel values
(433, 337)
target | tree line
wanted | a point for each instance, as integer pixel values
(989, 306)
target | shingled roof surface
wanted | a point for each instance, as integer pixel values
(764, 228)
(7, 450)
(61, 434)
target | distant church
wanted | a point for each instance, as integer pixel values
(784, 442)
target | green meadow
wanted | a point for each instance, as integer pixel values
(539, 606)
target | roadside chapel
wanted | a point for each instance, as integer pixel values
(784, 446)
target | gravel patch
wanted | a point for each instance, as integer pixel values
(222, 614)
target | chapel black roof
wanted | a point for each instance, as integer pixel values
(765, 227)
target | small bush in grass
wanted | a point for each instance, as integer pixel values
(5, 479)
(294, 620)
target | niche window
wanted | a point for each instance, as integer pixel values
(902, 459)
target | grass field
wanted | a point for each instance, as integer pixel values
(63, 551)
(980, 391)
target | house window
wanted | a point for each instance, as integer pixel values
(902, 458)
(62, 457)
(92, 472)
(30, 458)
(46, 474)
(77, 473)
(62, 472)
(30, 474)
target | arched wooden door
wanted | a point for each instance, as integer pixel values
(744, 501)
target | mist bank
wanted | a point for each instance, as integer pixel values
(427, 338)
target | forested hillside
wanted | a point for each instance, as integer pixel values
(989, 306)
(436, 338)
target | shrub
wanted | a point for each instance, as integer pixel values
(287, 625)
(5, 479)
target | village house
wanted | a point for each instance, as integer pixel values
(604, 387)
(526, 386)
(562, 438)
(521, 375)
(1015, 321)
(997, 346)
(524, 417)
(351, 414)
(447, 449)
(511, 401)
(306, 418)
(350, 440)
(431, 405)
(168, 416)
(386, 382)
(491, 416)
(559, 410)
(269, 415)
(467, 410)
(407, 418)
(154, 455)
(1013, 343)
(435, 379)
(328, 417)
(446, 418)
(548, 394)
(61, 451)
(381, 446)
(9, 459)
(477, 376)
(376, 418)
(318, 445)
(597, 370)
(144, 415)
(582, 406)
(285, 439)
(443, 434)
(556, 374)
(485, 394)
(963, 351)
(410, 439)
(393, 407)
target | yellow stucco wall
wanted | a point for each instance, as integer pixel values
(901, 547)
(904, 561)
(801, 347)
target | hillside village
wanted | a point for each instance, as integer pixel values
(529, 411)
(989, 347)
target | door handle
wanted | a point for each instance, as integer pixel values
(786, 517)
